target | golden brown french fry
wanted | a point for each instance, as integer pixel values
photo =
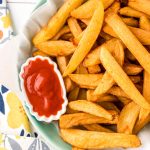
(36, 53)
(121, 78)
(86, 10)
(130, 12)
(91, 108)
(94, 69)
(86, 80)
(107, 81)
(124, 100)
(109, 106)
(132, 69)
(56, 22)
(135, 47)
(97, 127)
(71, 120)
(105, 36)
(98, 140)
(99, 98)
(74, 26)
(86, 21)
(67, 37)
(113, 8)
(73, 94)
(90, 36)
(142, 35)
(130, 22)
(62, 31)
(82, 94)
(130, 56)
(76, 148)
(127, 118)
(144, 23)
(140, 5)
(62, 63)
(82, 69)
(71, 111)
(57, 48)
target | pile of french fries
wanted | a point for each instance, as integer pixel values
(102, 50)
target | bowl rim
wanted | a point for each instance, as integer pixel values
(27, 102)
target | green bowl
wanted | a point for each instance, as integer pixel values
(50, 132)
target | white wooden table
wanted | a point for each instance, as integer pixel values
(20, 11)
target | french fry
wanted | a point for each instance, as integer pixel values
(144, 23)
(97, 127)
(62, 31)
(56, 22)
(82, 69)
(86, 21)
(109, 106)
(107, 81)
(130, 56)
(74, 26)
(142, 35)
(140, 5)
(130, 12)
(67, 37)
(87, 9)
(73, 94)
(71, 120)
(105, 36)
(130, 22)
(76, 148)
(127, 118)
(124, 100)
(71, 111)
(82, 94)
(62, 63)
(86, 80)
(135, 47)
(36, 53)
(91, 108)
(94, 69)
(99, 98)
(98, 140)
(90, 36)
(121, 78)
(57, 48)
(132, 69)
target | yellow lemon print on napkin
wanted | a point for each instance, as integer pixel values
(17, 115)
(6, 21)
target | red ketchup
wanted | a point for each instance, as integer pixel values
(43, 87)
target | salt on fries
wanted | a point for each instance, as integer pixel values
(101, 49)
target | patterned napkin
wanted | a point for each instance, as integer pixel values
(6, 31)
(16, 133)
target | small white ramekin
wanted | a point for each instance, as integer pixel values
(27, 102)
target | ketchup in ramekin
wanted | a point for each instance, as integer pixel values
(44, 88)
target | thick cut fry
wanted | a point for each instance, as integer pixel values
(132, 69)
(130, 12)
(73, 94)
(71, 111)
(140, 5)
(122, 79)
(74, 26)
(86, 80)
(130, 56)
(97, 127)
(144, 23)
(98, 140)
(127, 118)
(88, 39)
(94, 69)
(57, 48)
(109, 106)
(136, 48)
(130, 22)
(62, 31)
(82, 69)
(56, 22)
(91, 108)
(99, 98)
(62, 63)
(36, 53)
(124, 100)
(86, 10)
(70, 120)
(107, 81)
(142, 35)
(82, 94)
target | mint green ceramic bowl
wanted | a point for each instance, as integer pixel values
(50, 132)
